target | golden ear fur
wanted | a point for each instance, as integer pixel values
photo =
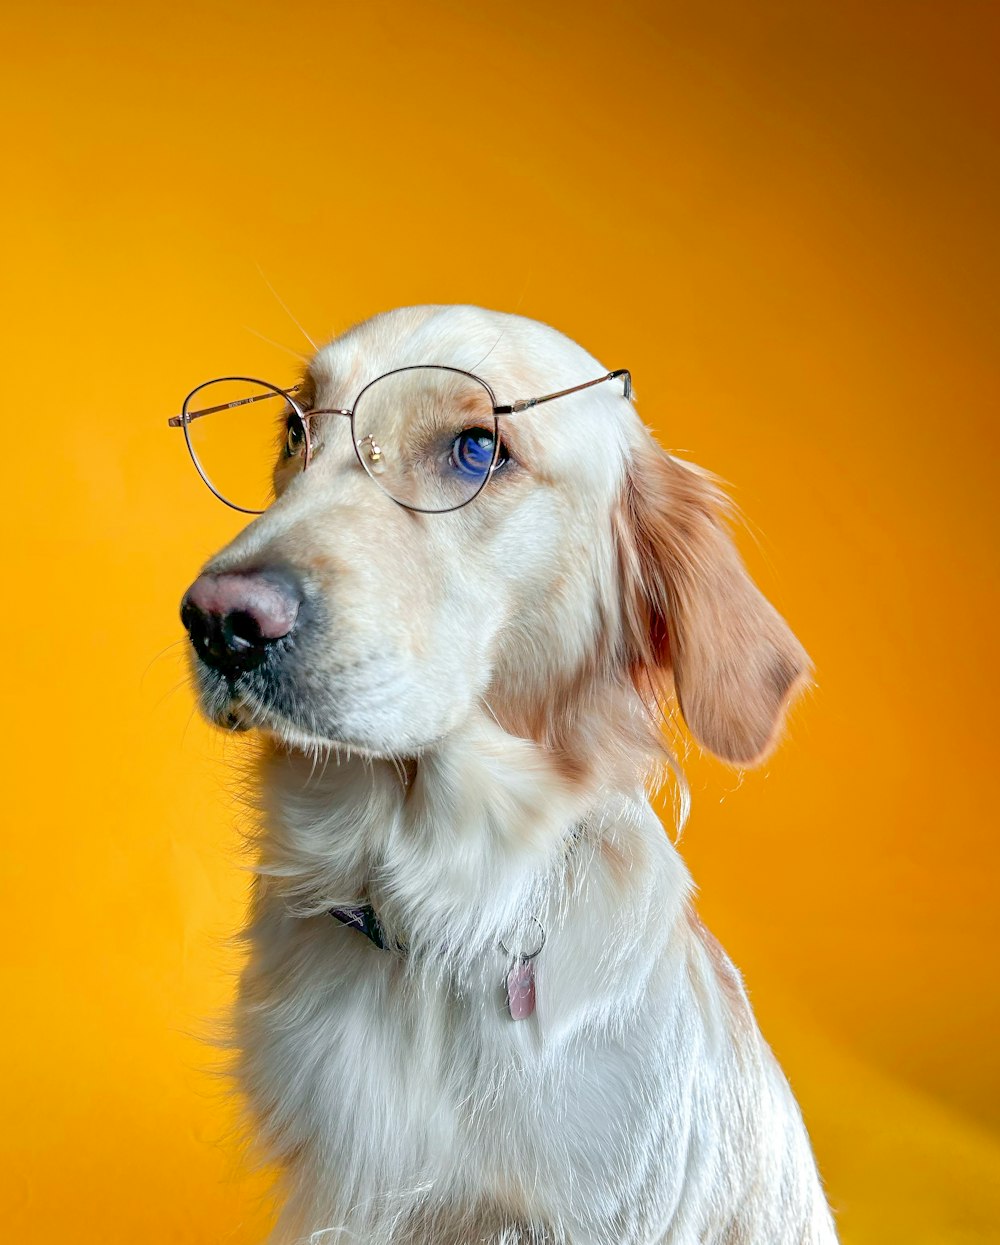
(691, 611)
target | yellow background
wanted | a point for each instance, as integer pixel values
(783, 219)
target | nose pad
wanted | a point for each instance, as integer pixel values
(235, 617)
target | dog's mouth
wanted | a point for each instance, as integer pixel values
(244, 705)
(255, 703)
(242, 713)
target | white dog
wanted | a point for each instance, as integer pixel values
(478, 1006)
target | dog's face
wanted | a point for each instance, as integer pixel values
(588, 555)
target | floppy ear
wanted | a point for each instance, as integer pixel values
(690, 610)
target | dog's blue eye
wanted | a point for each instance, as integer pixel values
(472, 452)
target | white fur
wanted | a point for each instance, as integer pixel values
(484, 775)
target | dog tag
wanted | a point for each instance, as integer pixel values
(521, 989)
(520, 979)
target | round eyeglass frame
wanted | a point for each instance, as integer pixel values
(186, 417)
(425, 367)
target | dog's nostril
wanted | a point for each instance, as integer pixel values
(242, 631)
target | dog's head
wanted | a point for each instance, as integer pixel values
(590, 560)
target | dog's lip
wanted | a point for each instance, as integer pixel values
(238, 716)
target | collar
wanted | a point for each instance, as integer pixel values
(520, 978)
(363, 918)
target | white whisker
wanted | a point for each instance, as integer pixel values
(284, 306)
(296, 354)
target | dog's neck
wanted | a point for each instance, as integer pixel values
(467, 843)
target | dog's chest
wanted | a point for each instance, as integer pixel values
(352, 1055)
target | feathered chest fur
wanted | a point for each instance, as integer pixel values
(393, 1085)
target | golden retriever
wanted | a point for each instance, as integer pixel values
(478, 1005)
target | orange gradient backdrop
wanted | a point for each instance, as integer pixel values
(783, 219)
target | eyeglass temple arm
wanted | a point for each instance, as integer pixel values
(178, 421)
(524, 403)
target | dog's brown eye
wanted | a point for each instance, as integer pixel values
(295, 436)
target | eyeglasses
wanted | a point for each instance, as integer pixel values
(427, 435)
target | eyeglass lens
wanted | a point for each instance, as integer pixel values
(237, 432)
(427, 436)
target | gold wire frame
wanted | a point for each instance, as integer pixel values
(189, 414)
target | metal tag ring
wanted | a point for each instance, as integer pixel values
(529, 955)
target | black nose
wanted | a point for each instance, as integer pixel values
(234, 618)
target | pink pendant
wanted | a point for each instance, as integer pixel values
(521, 990)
